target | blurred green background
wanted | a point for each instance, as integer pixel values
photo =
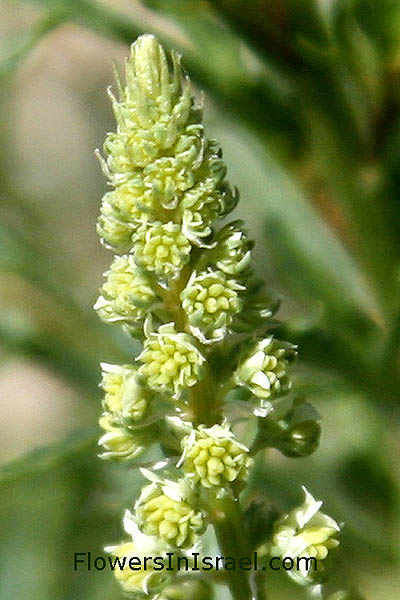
(304, 96)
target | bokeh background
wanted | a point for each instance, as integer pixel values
(304, 96)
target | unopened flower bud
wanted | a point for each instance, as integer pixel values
(131, 201)
(264, 371)
(115, 232)
(200, 206)
(118, 443)
(233, 249)
(142, 579)
(210, 198)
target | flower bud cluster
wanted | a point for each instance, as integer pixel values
(162, 167)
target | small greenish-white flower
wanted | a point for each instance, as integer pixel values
(264, 371)
(214, 457)
(164, 510)
(115, 232)
(305, 532)
(211, 301)
(118, 443)
(162, 248)
(142, 579)
(233, 249)
(201, 205)
(131, 201)
(169, 176)
(126, 294)
(124, 398)
(170, 360)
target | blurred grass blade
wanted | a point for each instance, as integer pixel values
(294, 228)
(52, 327)
(20, 46)
(43, 458)
(91, 15)
(17, 336)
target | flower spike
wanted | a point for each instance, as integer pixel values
(183, 287)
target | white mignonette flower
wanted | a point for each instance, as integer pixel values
(170, 360)
(233, 249)
(305, 532)
(164, 510)
(115, 232)
(264, 371)
(124, 398)
(118, 443)
(142, 579)
(126, 294)
(211, 301)
(162, 248)
(202, 204)
(169, 176)
(214, 457)
(131, 201)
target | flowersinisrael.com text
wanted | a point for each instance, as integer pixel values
(192, 562)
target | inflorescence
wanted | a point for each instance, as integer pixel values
(185, 289)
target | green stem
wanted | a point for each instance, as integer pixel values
(260, 592)
(226, 516)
